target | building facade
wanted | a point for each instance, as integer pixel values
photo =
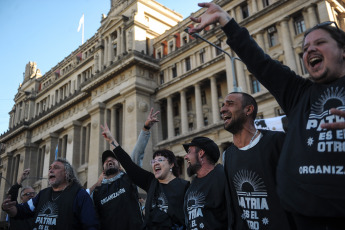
(141, 57)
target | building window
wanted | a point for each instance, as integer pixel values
(189, 104)
(304, 70)
(159, 53)
(279, 112)
(219, 91)
(218, 51)
(272, 36)
(176, 109)
(205, 121)
(245, 11)
(174, 71)
(161, 77)
(184, 39)
(265, 3)
(171, 46)
(202, 56)
(177, 131)
(255, 84)
(187, 60)
(299, 24)
(190, 126)
(203, 97)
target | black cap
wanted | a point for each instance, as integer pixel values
(211, 149)
(106, 154)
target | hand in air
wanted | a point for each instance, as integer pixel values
(212, 15)
(151, 118)
(106, 133)
(24, 176)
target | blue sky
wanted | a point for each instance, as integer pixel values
(45, 31)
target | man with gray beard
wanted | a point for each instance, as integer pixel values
(63, 206)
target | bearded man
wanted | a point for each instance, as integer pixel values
(115, 197)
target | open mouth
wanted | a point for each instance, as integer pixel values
(51, 176)
(314, 61)
(226, 118)
(157, 169)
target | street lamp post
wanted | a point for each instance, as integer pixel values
(234, 82)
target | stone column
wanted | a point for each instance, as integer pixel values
(312, 15)
(254, 6)
(112, 124)
(233, 13)
(241, 76)
(214, 99)
(184, 115)
(110, 50)
(287, 45)
(170, 117)
(119, 41)
(75, 144)
(106, 50)
(260, 40)
(97, 146)
(198, 107)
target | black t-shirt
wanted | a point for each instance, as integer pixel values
(205, 202)
(117, 205)
(174, 190)
(311, 169)
(164, 204)
(251, 178)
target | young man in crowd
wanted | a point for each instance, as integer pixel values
(205, 201)
(250, 166)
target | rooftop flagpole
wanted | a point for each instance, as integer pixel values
(81, 25)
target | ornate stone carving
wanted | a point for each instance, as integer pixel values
(130, 107)
(143, 106)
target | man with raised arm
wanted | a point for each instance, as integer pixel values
(310, 173)
(115, 195)
(64, 205)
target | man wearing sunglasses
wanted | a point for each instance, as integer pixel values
(311, 168)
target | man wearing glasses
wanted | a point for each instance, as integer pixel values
(311, 168)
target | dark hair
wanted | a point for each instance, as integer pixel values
(171, 159)
(248, 100)
(71, 176)
(337, 34)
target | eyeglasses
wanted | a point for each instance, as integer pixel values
(30, 194)
(158, 160)
(327, 23)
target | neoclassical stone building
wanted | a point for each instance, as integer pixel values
(141, 57)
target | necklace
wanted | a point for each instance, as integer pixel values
(251, 141)
(54, 199)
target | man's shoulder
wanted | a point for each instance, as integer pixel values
(272, 133)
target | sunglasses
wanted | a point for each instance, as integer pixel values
(327, 23)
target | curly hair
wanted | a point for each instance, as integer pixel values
(71, 176)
